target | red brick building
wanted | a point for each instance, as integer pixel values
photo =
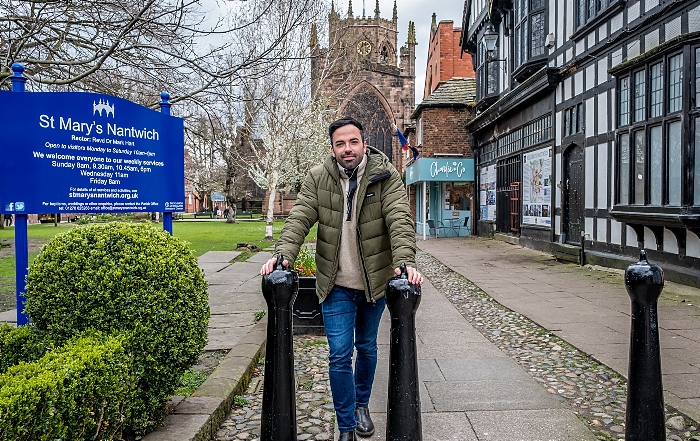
(441, 180)
(444, 60)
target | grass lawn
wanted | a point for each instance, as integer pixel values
(202, 237)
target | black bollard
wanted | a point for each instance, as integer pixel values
(645, 400)
(279, 400)
(403, 408)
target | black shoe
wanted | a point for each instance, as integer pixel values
(365, 426)
(347, 436)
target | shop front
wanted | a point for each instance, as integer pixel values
(444, 195)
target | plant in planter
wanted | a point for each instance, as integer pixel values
(306, 312)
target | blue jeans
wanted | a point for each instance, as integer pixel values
(350, 320)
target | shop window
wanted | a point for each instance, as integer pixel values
(640, 163)
(656, 160)
(639, 96)
(624, 168)
(696, 180)
(486, 73)
(458, 195)
(624, 101)
(657, 93)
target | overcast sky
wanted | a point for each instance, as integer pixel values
(420, 12)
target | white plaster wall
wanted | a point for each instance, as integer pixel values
(568, 55)
(590, 40)
(580, 47)
(569, 19)
(648, 4)
(633, 49)
(670, 242)
(602, 230)
(557, 187)
(567, 88)
(631, 237)
(557, 128)
(615, 232)
(602, 70)
(673, 28)
(651, 40)
(589, 157)
(649, 239)
(603, 32)
(692, 245)
(694, 20)
(561, 35)
(602, 177)
(560, 60)
(602, 114)
(590, 117)
(557, 224)
(632, 12)
(590, 77)
(578, 83)
(589, 228)
(616, 58)
(611, 187)
(616, 23)
(613, 115)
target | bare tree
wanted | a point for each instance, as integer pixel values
(136, 48)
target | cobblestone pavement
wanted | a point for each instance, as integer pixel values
(315, 414)
(596, 393)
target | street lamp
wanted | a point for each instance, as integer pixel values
(490, 38)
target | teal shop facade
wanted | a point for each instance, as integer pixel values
(444, 194)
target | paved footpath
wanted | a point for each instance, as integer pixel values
(589, 308)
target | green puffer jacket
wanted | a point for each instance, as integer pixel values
(386, 236)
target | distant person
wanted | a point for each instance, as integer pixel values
(8, 220)
(365, 231)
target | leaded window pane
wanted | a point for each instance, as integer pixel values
(639, 96)
(492, 77)
(603, 4)
(675, 167)
(537, 4)
(523, 41)
(697, 77)
(567, 127)
(696, 174)
(640, 163)
(657, 90)
(579, 118)
(656, 156)
(675, 92)
(537, 42)
(581, 8)
(591, 8)
(624, 101)
(624, 169)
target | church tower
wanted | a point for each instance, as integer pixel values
(365, 75)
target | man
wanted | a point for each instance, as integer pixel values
(365, 232)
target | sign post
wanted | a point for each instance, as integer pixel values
(81, 152)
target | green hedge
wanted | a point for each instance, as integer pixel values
(80, 391)
(25, 343)
(130, 278)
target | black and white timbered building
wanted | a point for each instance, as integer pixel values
(587, 135)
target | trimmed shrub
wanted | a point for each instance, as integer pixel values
(25, 343)
(129, 278)
(77, 392)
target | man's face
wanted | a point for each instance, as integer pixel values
(348, 148)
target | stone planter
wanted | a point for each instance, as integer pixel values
(306, 311)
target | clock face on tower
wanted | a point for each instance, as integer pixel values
(364, 47)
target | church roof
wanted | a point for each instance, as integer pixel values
(457, 92)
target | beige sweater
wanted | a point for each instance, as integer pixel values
(349, 272)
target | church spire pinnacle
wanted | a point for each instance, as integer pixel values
(433, 26)
(350, 9)
(313, 41)
(411, 33)
(395, 17)
(376, 10)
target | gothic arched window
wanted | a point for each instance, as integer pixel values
(384, 55)
(366, 107)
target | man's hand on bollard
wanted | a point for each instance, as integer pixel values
(412, 274)
(270, 265)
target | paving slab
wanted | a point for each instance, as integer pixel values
(218, 257)
(528, 425)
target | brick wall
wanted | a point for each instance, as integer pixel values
(444, 131)
(444, 62)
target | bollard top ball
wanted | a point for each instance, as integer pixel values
(643, 280)
(17, 68)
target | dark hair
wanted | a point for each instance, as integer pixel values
(338, 123)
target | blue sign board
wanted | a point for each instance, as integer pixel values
(440, 169)
(79, 152)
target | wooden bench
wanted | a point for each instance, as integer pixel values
(240, 213)
(209, 214)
